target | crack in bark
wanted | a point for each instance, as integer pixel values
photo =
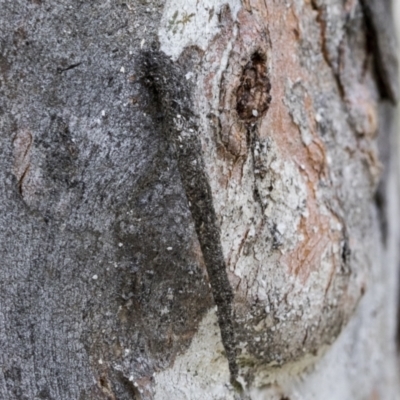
(321, 20)
(253, 97)
(22, 148)
(380, 34)
(377, 14)
(253, 139)
(72, 66)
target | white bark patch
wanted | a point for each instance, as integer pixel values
(293, 203)
(190, 22)
(295, 95)
(202, 373)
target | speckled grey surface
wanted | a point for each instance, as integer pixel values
(100, 279)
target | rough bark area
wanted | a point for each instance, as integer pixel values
(198, 200)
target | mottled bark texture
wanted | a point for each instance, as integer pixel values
(198, 200)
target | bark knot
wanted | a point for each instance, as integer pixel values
(253, 93)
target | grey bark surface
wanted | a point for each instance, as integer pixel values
(111, 251)
(87, 196)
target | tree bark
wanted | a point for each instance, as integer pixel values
(199, 200)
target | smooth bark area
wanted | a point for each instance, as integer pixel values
(199, 200)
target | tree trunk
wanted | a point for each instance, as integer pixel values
(198, 200)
